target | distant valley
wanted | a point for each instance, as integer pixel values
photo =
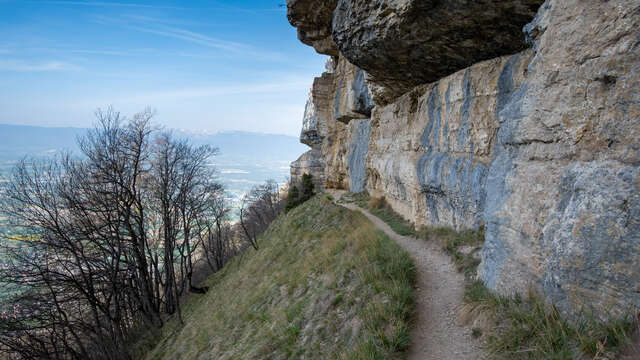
(245, 159)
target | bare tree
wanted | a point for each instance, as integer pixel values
(259, 208)
(217, 234)
(109, 239)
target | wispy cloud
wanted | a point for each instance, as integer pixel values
(286, 85)
(218, 6)
(132, 52)
(145, 52)
(107, 4)
(23, 66)
(159, 27)
(228, 7)
(193, 37)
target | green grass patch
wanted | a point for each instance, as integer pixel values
(361, 199)
(380, 208)
(528, 328)
(462, 246)
(326, 284)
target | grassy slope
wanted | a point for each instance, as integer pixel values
(512, 327)
(325, 285)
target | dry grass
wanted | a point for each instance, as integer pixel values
(377, 203)
(325, 285)
(513, 327)
(381, 208)
(463, 246)
(528, 328)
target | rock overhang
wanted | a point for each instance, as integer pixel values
(405, 43)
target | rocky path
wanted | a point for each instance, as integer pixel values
(440, 288)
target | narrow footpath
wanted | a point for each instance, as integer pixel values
(436, 334)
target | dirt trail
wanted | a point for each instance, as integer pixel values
(440, 288)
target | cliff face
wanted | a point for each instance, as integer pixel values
(441, 108)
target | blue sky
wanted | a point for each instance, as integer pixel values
(203, 65)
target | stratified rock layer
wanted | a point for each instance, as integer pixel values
(313, 19)
(432, 148)
(337, 97)
(541, 147)
(310, 163)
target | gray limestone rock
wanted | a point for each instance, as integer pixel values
(309, 163)
(313, 20)
(310, 134)
(358, 156)
(405, 43)
(542, 146)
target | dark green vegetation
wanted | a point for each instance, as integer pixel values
(325, 284)
(511, 327)
(296, 196)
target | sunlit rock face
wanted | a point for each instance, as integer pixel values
(309, 163)
(432, 148)
(311, 134)
(353, 99)
(563, 206)
(539, 145)
(336, 125)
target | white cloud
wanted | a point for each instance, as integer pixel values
(23, 66)
(234, 171)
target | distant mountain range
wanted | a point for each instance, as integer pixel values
(245, 158)
(19, 140)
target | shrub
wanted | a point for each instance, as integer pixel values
(377, 203)
(296, 197)
(292, 198)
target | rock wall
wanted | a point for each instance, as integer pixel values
(339, 96)
(539, 145)
(563, 209)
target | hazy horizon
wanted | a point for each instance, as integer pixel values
(186, 131)
(245, 159)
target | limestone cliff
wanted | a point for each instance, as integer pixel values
(459, 117)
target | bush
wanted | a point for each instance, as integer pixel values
(377, 203)
(296, 197)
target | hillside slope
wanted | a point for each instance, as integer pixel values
(324, 285)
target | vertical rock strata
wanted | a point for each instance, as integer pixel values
(563, 209)
(542, 147)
